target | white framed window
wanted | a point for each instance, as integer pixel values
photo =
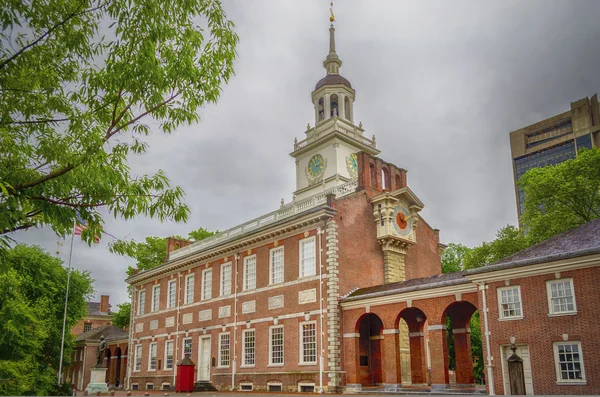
(224, 344)
(138, 358)
(561, 296)
(169, 354)
(189, 289)
(155, 298)
(142, 302)
(308, 342)
(276, 345)
(250, 272)
(152, 357)
(206, 284)
(249, 347)
(187, 348)
(276, 267)
(509, 302)
(87, 327)
(568, 358)
(226, 279)
(172, 293)
(308, 258)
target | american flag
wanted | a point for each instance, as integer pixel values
(80, 226)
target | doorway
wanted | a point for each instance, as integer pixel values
(204, 359)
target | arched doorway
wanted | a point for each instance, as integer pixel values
(370, 329)
(458, 316)
(413, 350)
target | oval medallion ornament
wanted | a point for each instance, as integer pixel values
(403, 222)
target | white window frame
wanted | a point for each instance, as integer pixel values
(300, 256)
(501, 315)
(155, 299)
(246, 285)
(155, 345)
(559, 379)
(551, 311)
(222, 279)
(271, 363)
(271, 254)
(167, 343)
(244, 332)
(302, 361)
(206, 295)
(189, 289)
(172, 293)
(220, 357)
(137, 363)
(183, 347)
(141, 302)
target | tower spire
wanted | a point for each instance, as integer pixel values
(332, 63)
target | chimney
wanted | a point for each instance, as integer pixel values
(104, 307)
(174, 244)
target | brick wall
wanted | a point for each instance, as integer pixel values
(423, 258)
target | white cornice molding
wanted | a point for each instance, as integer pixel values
(535, 269)
(451, 290)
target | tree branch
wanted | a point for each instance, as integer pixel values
(66, 203)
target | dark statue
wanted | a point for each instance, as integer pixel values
(100, 354)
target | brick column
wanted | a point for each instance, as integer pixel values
(438, 351)
(462, 352)
(351, 362)
(418, 360)
(391, 357)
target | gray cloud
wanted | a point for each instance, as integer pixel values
(441, 84)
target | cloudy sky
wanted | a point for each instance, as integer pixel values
(440, 84)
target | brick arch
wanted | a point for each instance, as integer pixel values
(363, 316)
(412, 315)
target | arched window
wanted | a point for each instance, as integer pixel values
(333, 101)
(347, 109)
(385, 179)
(321, 109)
(373, 181)
(398, 182)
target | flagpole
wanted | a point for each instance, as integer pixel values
(62, 344)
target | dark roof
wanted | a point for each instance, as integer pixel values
(110, 332)
(332, 79)
(580, 241)
(415, 284)
(93, 309)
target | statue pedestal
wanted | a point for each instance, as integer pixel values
(97, 381)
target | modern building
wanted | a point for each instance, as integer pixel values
(98, 314)
(341, 288)
(554, 140)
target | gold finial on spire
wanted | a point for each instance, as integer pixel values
(332, 17)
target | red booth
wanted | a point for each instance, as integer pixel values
(185, 375)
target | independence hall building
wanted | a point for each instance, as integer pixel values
(341, 288)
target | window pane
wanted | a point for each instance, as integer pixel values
(142, 302)
(172, 291)
(308, 265)
(169, 354)
(250, 272)
(277, 345)
(189, 289)
(569, 361)
(226, 279)
(249, 345)
(187, 348)
(309, 343)
(207, 284)
(153, 356)
(277, 266)
(224, 350)
(155, 297)
(138, 357)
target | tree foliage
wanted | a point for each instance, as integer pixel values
(152, 251)
(509, 240)
(122, 316)
(80, 81)
(32, 290)
(453, 258)
(561, 197)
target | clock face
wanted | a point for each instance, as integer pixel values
(352, 164)
(403, 222)
(316, 165)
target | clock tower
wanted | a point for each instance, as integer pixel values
(326, 157)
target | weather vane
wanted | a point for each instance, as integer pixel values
(332, 17)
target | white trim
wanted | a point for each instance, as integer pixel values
(200, 339)
(155, 344)
(173, 354)
(155, 299)
(391, 331)
(244, 279)
(204, 273)
(300, 251)
(351, 335)
(186, 292)
(243, 363)
(300, 384)
(222, 279)
(413, 334)
(219, 363)
(436, 327)
(501, 316)
(241, 384)
(559, 380)
(141, 302)
(271, 251)
(301, 360)
(409, 296)
(551, 312)
(271, 363)
(172, 283)
(135, 357)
